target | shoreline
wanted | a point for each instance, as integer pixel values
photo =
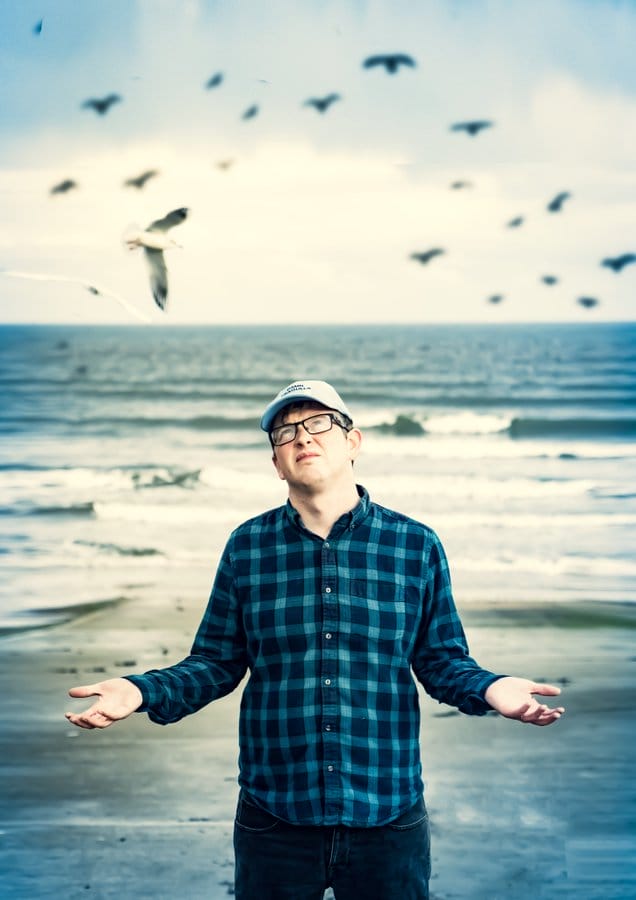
(136, 810)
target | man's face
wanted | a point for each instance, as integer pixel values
(311, 460)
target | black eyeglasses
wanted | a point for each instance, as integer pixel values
(317, 424)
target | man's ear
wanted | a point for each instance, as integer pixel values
(354, 440)
(277, 467)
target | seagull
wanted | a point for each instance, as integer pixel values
(101, 105)
(64, 186)
(618, 263)
(558, 201)
(154, 240)
(426, 256)
(390, 61)
(322, 104)
(140, 180)
(472, 128)
(214, 81)
(515, 223)
(587, 302)
(549, 279)
(250, 112)
(92, 288)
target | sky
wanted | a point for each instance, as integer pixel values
(297, 216)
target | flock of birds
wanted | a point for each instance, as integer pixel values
(154, 239)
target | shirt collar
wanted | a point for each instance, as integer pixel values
(349, 520)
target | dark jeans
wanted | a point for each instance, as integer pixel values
(278, 861)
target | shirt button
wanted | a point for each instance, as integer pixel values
(330, 768)
(327, 545)
(327, 727)
(327, 681)
(327, 590)
(328, 635)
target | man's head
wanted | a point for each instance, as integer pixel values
(311, 433)
(318, 392)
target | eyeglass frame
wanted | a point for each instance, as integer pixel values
(334, 417)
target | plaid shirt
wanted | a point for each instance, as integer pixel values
(330, 631)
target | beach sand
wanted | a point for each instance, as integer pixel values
(142, 811)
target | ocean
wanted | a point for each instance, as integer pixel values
(129, 453)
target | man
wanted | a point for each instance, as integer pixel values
(332, 603)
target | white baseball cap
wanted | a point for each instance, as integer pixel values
(316, 391)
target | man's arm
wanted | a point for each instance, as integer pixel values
(443, 665)
(215, 666)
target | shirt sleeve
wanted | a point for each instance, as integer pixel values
(441, 661)
(215, 666)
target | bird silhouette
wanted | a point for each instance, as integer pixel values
(154, 240)
(459, 185)
(101, 105)
(587, 302)
(250, 112)
(390, 61)
(425, 256)
(618, 263)
(495, 298)
(64, 186)
(473, 127)
(557, 202)
(322, 104)
(139, 181)
(549, 279)
(214, 81)
(95, 290)
(515, 223)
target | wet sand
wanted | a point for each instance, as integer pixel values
(517, 812)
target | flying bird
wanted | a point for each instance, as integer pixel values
(92, 288)
(225, 164)
(322, 104)
(587, 302)
(250, 112)
(139, 181)
(37, 28)
(549, 279)
(495, 298)
(473, 127)
(515, 223)
(556, 204)
(390, 61)
(214, 81)
(64, 186)
(155, 240)
(425, 256)
(101, 105)
(459, 185)
(618, 263)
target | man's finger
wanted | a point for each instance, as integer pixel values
(546, 690)
(84, 690)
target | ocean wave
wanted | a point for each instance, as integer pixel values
(118, 549)
(620, 427)
(25, 508)
(571, 565)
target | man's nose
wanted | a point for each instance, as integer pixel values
(302, 435)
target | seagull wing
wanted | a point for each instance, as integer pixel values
(158, 276)
(176, 217)
(37, 276)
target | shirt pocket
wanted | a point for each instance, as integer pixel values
(375, 612)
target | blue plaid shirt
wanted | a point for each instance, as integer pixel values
(330, 631)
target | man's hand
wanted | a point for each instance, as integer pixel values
(513, 698)
(117, 699)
